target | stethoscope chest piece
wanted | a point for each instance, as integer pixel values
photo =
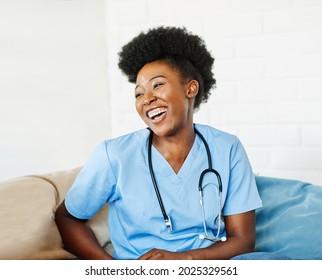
(168, 223)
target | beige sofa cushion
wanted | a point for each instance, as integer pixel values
(27, 207)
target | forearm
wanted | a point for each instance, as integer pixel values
(78, 237)
(218, 251)
(221, 250)
(240, 230)
(81, 241)
(241, 236)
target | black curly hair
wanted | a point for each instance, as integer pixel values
(184, 51)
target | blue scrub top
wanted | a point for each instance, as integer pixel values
(117, 173)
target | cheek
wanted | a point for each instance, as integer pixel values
(139, 108)
(182, 103)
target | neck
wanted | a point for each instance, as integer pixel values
(176, 148)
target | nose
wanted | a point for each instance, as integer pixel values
(149, 99)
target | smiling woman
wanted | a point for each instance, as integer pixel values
(165, 102)
(174, 166)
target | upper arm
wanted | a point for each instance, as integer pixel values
(93, 186)
(62, 216)
(242, 193)
(242, 226)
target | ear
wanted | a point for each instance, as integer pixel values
(193, 88)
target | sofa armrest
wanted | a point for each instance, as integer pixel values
(290, 221)
(28, 229)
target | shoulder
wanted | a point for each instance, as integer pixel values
(127, 142)
(212, 134)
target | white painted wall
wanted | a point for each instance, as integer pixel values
(53, 84)
(268, 69)
(61, 91)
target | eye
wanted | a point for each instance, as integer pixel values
(138, 94)
(157, 85)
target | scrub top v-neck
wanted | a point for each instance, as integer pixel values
(117, 173)
(165, 170)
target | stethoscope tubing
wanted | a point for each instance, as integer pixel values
(166, 217)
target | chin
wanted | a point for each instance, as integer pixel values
(162, 131)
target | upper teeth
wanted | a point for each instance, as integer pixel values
(156, 112)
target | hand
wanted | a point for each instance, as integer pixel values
(157, 254)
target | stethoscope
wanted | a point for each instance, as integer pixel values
(167, 218)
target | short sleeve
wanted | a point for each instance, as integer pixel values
(242, 193)
(93, 187)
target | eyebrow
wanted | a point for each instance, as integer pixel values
(159, 76)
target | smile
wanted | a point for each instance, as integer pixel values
(156, 113)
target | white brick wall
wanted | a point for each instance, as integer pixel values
(268, 68)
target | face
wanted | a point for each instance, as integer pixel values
(163, 99)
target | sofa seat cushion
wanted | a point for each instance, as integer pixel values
(290, 221)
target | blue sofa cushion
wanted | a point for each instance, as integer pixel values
(290, 221)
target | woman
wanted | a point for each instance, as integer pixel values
(150, 177)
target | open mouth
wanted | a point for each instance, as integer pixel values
(156, 113)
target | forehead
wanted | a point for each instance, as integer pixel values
(155, 69)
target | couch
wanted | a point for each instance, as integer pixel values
(290, 222)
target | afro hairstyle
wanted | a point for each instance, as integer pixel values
(181, 49)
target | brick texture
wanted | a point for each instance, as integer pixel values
(268, 66)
